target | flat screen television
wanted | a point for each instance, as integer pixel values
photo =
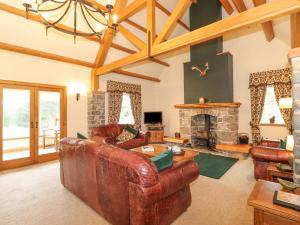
(152, 117)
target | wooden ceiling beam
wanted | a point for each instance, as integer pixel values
(122, 48)
(171, 23)
(252, 16)
(137, 42)
(256, 15)
(151, 23)
(106, 44)
(227, 6)
(240, 5)
(45, 55)
(267, 26)
(136, 75)
(295, 30)
(97, 5)
(168, 13)
(268, 30)
(136, 25)
(108, 36)
(132, 9)
(128, 60)
(159, 62)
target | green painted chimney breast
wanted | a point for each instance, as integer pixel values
(217, 86)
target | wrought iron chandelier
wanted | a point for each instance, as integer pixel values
(88, 20)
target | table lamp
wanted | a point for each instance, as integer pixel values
(290, 142)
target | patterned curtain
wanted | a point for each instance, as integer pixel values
(284, 90)
(281, 81)
(114, 107)
(258, 94)
(136, 106)
(116, 90)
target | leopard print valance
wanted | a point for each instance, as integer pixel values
(270, 77)
(114, 86)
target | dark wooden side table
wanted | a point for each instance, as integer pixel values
(267, 213)
(273, 173)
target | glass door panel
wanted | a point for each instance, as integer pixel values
(49, 122)
(16, 128)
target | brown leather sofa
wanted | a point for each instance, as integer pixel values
(125, 188)
(268, 151)
(108, 134)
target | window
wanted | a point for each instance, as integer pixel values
(271, 108)
(126, 115)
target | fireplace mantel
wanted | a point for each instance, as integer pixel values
(209, 105)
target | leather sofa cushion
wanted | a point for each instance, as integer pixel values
(125, 136)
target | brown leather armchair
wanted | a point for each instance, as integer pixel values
(108, 133)
(268, 151)
(125, 188)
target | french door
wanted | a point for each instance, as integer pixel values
(32, 121)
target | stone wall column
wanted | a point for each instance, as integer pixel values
(96, 110)
(294, 57)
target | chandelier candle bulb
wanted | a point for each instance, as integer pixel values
(46, 16)
(115, 19)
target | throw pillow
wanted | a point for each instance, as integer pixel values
(163, 161)
(125, 136)
(131, 130)
(282, 144)
(81, 136)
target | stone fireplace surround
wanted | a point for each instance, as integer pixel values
(227, 115)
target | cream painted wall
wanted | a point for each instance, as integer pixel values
(171, 91)
(17, 67)
(252, 53)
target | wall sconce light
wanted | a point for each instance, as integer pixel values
(202, 72)
(77, 89)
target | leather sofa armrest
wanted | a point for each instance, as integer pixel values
(267, 154)
(179, 175)
(103, 140)
(170, 181)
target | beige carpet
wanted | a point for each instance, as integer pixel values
(34, 196)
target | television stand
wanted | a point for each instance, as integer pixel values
(157, 133)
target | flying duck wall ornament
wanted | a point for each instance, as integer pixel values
(203, 73)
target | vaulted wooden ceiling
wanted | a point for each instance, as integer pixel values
(155, 44)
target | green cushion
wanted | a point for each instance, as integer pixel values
(163, 161)
(282, 144)
(81, 136)
(132, 130)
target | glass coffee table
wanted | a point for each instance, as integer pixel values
(160, 148)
